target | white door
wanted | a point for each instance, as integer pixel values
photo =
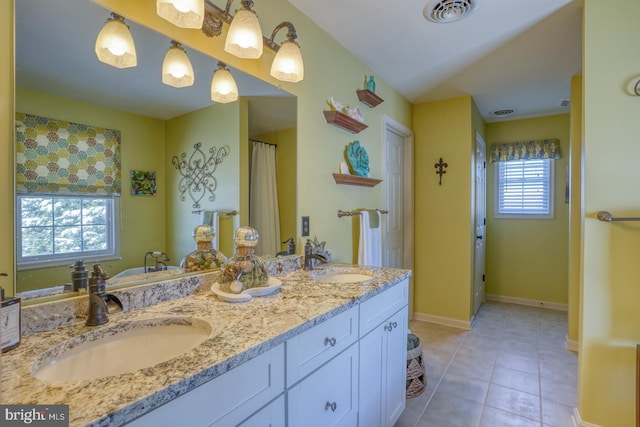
(480, 220)
(393, 231)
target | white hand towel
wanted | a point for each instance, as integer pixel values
(370, 244)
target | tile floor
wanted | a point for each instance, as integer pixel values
(511, 370)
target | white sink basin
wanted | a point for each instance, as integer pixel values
(341, 275)
(121, 348)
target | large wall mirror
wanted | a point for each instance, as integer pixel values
(58, 76)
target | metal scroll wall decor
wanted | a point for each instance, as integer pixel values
(197, 173)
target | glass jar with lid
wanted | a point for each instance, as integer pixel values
(245, 270)
(204, 257)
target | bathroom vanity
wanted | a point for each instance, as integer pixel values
(322, 351)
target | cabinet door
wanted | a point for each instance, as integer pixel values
(271, 415)
(396, 367)
(329, 396)
(383, 372)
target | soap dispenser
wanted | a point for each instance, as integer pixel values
(245, 270)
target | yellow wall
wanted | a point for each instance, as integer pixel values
(610, 318)
(443, 243)
(528, 258)
(575, 212)
(214, 126)
(320, 145)
(143, 148)
(286, 178)
(6, 147)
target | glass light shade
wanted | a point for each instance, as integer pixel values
(223, 86)
(176, 68)
(114, 44)
(244, 38)
(287, 66)
(182, 13)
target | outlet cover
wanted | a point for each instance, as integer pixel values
(305, 225)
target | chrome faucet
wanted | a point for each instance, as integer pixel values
(309, 256)
(98, 310)
(158, 265)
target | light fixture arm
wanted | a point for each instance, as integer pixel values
(291, 35)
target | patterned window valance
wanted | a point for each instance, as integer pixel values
(526, 150)
(60, 157)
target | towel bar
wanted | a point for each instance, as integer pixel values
(342, 213)
(607, 217)
(226, 213)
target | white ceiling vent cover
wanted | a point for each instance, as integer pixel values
(445, 11)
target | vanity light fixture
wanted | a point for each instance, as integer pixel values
(114, 44)
(244, 38)
(223, 85)
(182, 13)
(287, 66)
(176, 67)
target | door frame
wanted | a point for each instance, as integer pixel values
(408, 224)
(479, 141)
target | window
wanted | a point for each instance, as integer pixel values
(524, 189)
(54, 229)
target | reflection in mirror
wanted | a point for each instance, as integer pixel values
(58, 76)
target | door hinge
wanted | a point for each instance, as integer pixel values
(484, 165)
(483, 277)
(484, 221)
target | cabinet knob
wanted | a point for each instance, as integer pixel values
(331, 341)
(330, 405)
(390, 326)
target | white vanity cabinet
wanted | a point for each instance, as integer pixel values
(229, 399)
(383, 357)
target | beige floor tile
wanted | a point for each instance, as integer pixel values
(446, 410)
(515, 379)
(514, 401)
(511, 370)
(492, 417)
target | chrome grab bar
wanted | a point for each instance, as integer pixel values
(607, 217)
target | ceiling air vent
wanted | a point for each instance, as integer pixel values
(503, 112)
(445, 11)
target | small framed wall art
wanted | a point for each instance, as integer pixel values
(143, 183)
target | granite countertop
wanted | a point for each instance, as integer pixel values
(241, 331)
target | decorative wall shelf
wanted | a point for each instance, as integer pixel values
(343, 121)
(369, 98)
(355, 180)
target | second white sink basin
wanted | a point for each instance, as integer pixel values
(121, 348)
(342, 275)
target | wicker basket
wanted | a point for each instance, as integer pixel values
(416, 377)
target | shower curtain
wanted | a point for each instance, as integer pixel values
(263, 210)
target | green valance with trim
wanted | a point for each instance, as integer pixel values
(66, 158)
(525, 150)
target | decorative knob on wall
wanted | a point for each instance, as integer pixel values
(440, 169)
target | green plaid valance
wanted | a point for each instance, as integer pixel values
(61, 157)
(525, 150)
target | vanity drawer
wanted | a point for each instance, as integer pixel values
(329, 396)
(225, 400)
(310, 349)
(379, 308)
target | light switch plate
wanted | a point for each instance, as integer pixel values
(305, 225)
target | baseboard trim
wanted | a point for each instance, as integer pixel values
(444, 321)
(529, 302)
(577, 421)
(571, 345)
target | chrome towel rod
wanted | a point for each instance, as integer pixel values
(342, 213)
(224, 213)
(607, 217)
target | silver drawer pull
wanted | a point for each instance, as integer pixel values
(331, 406)
(330, 341)
(394, 324)
(390, 326)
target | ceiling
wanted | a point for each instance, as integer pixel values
(55, 54)
(507, 54)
